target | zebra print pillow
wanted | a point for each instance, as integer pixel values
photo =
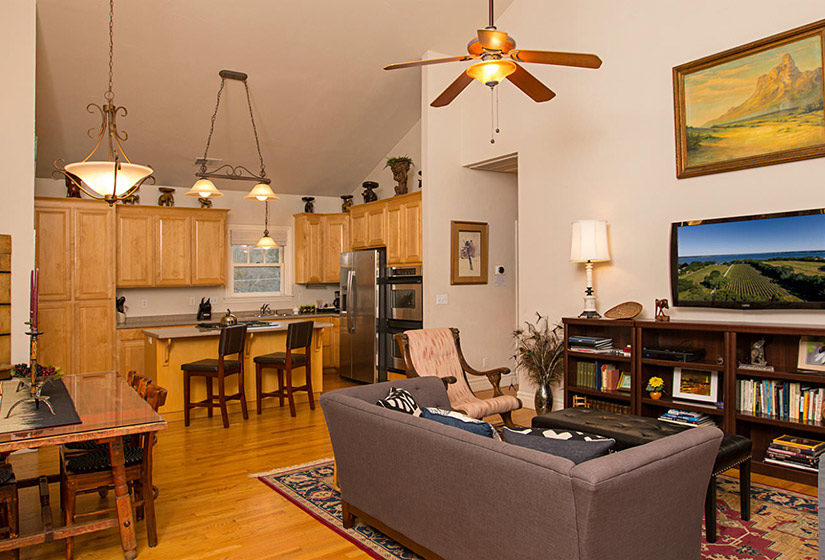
(400, 400)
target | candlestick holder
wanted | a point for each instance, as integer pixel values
(33, 377)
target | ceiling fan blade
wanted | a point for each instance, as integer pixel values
(580, 60)
(530, 85)
(493, 39)
(452, 90)
(427, 62)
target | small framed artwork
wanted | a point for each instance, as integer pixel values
(624, 382)
(468, 252)
(811, 353)
(753, 105)
(695, 385)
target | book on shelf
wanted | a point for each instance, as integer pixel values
(804, 445)
(781, 399)
(687, 418)
(591, 342)
(607, 352)
(773, 461)
(597, 375)
(795, 452)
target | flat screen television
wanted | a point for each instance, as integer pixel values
(766, 261)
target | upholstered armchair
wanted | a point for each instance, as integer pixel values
(437, 353)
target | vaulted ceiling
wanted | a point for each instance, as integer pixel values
(325, 109)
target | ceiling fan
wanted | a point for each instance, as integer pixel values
(493, 48)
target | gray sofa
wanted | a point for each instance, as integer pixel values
(449, 494)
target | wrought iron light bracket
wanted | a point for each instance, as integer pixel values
(226, 171)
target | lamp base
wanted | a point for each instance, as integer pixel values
(590, 315)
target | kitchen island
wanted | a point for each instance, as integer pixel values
(166, 349)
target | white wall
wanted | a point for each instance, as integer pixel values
(17, 152)
(410, 146)
(485, 314)
(171, 301)
(604, 147)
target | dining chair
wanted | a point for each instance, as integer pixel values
(298, 336)
(232, 341)
(92, 472)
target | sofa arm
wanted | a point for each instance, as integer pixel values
(654, 489)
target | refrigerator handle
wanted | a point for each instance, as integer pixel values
(350, 300)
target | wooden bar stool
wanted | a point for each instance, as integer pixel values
(231, 342)
(298, 335)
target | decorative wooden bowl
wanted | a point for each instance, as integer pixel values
(626, 310)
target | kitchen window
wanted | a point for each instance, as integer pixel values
(258, 272)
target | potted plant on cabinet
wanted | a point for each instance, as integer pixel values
(400, 167)
(540, 354)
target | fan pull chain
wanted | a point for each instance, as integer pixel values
(494, 128)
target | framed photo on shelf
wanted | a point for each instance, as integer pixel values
(468, 252)
(695, 385)
(624, 382)
(811, 353)
(752, 105)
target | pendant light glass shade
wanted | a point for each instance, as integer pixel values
(261, 192)
(204, 188)
(491, 72)
(100, 176)
(266, 242)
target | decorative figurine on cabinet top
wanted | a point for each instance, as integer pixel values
(309, 204)
(400, 167)
(369, 193)
(72, 190)
(661, 305)
(167, 198)
(133, 198)
(346, 203)
(205, 202)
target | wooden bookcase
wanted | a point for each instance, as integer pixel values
(726, 346)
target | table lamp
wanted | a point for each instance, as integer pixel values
(589, 245)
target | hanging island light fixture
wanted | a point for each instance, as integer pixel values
(117, 177)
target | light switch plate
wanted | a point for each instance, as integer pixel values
(441, 299)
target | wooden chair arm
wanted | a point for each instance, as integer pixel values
(448, 381)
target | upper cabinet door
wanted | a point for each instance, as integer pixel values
(335, 241)
(54, 250)
(358, 227)
(377, 225)
(411, 215)
(173, 262)
(209, 250)
(395, 233)
(94, 252)
(135, 248)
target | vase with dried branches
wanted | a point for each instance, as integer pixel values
(540, 355)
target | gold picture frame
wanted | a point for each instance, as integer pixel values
(468, 252)
(729, 116)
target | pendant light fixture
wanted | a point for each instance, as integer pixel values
(266, 242)
(117, 178)
(204, 187)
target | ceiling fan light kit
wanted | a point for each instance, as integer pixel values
(116, 178)
(491, 72)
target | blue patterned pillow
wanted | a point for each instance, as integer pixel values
(570, 444)
(400, 400)
(462, 421)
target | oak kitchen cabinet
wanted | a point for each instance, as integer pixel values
(368, 224)
(319, 241)
(75, 252)
(160, 246)
(404, 229)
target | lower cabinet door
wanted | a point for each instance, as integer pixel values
(130, 352)
(94, 336)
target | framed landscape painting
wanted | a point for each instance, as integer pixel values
(758, 104)
(468, 253)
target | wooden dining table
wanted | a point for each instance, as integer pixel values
(109, 410)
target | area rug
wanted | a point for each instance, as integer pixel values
(783, 524)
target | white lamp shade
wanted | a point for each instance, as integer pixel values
(204, 188)
(589, 242)
(99, 175)
(266, 242)
(261, 192)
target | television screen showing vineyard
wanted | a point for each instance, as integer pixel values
(766, 262)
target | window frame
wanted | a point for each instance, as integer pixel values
(286, 262)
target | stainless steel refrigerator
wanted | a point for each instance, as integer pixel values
(362, 315)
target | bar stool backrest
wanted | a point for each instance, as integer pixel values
(299, 335)
(232, 340)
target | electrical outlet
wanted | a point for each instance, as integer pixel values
(441, 299)
(144, 303)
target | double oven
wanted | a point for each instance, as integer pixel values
(405, 310)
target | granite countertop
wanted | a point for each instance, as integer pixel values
(154, 321)
(197, 332)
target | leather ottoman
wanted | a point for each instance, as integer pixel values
(629, 431)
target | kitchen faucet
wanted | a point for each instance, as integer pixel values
(265, 310)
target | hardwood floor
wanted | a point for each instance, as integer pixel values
(209, 508)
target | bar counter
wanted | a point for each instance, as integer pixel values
(166, 349)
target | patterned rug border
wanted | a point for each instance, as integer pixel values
(765, 492)
(298, 501)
